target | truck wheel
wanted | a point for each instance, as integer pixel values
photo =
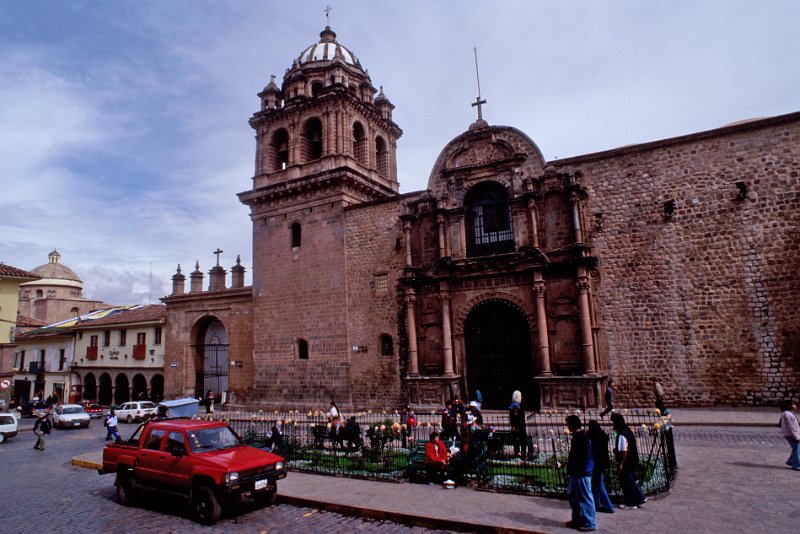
(2, 438)
(130, 419)
(126, 488)
(206, 506)
(267, 498)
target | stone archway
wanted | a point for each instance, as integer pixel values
(499, 358)
(121, 389)
(89, 387)
(106, 390)
(211, 359)
(157, 388)
(139, 389)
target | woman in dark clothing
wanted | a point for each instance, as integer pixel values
(600, 454)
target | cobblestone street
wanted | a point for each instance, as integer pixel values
(730, 480)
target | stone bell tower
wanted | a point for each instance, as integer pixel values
(324, 141)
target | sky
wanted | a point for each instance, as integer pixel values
(124, 133)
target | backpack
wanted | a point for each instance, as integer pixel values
(46, 426)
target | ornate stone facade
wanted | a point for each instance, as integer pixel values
(670, 260)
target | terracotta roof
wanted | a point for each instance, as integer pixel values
(23, 321)
(8, 270)
(143, 314)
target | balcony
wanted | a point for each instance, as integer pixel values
(139, 352)
(91, 352)
(36, 367)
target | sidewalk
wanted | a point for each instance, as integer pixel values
(462, 509)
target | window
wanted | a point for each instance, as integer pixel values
(316, 88)
(297, 235)
(175, 442)
(93, 341)
(313, 138)
(62, 359)
(157, 336)
(141, 338)
(280, 150)
(106, 338)
(39, 293)
(19, 360)
(489, 220)
(359, 143)
(381, 156)
(387, 345)
(123, 338)
(381, 283)
(302, 349)
(154, 440)
(74, 312)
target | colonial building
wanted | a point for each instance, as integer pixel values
(671, 260)
(120, 357)
(10, 280)
(56, 294)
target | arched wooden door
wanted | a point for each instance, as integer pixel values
(497, 340)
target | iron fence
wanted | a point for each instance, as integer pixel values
(375, 445)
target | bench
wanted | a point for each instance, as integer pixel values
(499, 439)
(415, 469)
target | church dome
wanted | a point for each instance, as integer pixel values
(55, 270)
(327, 50)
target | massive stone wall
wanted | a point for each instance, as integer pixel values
(697, 276)
(375, 256)
(300, 293)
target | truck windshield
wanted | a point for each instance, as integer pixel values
(212, 439)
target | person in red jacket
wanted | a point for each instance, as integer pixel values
(435, 458)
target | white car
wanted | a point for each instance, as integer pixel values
(136, 411)
(70, 416)
(8, 426)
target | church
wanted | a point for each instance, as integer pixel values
(671, 260)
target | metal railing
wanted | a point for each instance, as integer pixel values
(379, 447)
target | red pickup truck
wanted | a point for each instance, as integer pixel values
(204, 461)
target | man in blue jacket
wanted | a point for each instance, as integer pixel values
(580, 465)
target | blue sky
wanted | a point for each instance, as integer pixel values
(123, 125)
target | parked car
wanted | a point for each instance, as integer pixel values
(94, 409)
(70, 416)
(136, 411)
(203, 460)
(36, 408)
(8, 426)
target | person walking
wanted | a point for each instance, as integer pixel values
(580, 466)
(627, 454)
(210, 401)
(791, 431)
(602, 503)
(516, 419)
(658, 392)
(111, 425)
(609, 398)
(40, 428)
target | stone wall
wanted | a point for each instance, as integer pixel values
(704, 298)
(375, 249)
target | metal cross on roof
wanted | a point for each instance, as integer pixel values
(217, 252)
(327, 12)
(478, 101)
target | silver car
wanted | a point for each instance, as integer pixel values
(70, 416)
(8, 426)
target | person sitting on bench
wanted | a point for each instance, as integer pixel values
(435, 458)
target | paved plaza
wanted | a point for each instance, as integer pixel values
(731, 479)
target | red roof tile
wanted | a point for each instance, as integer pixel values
(23, 321)
(149, 313)
(13, 272)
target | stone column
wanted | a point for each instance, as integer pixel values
(411, 327)
(534, 222)
(576, 217)
(440, 223)
(586, 322)
(407, 238)
(541, 322)
(447, 336)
